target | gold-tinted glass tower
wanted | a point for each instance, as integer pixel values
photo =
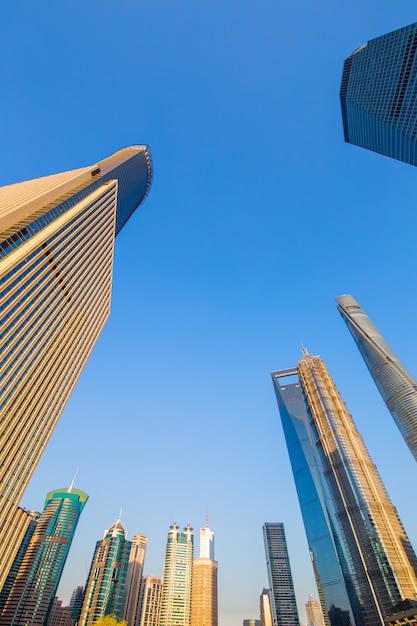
(56, 258)
(204, 606)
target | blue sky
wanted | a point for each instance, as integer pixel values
(259, 215)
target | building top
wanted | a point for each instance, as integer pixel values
(21, 203)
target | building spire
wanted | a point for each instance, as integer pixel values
(73, 480)
(207, 519)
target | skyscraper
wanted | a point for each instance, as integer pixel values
(343, 497)
(177, 578)
(204, 607)
(281, 589)
(32, 594)
(149, 601)
(107, 576)
(265, 606)
(56, 258)
(130, 607)
(76, 603)
(395, 384)
(378, 95)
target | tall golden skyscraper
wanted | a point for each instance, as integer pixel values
(342, 497)
(204, 606)
(56, 259)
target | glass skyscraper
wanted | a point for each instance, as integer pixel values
(395, 384)
(56, 259)
(281, 589)
(362, 558)
(106, 582)
(379, 95)
(177, 577)
(32, 593)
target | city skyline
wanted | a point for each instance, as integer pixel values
(259, 215)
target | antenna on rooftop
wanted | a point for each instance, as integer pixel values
(73, 480)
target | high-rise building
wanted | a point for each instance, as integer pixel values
(130, 608)
(56, 258)
(265, 606)
(177, 578)
(378, 95)
(59, 615)
(314, 612)
(106, 580)
(149, 601)
(395, 384)
(76, 603)
(31, 596)
(281, 589)
(251, 622)
(345, 507)
(204, 607)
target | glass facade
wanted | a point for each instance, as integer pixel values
(281, 589)
(342, 496)
(56, 260)
(333, 582)
(378, 95)
(177, 578)
(395, 384)
(106, 580)
(35, 582)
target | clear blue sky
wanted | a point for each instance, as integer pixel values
(259, 215)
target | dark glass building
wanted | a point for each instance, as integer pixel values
(378, 95)
(281, 589)
(358, 543)
(394, 382)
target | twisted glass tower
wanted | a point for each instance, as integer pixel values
(363, 560)
(378, 95)
(395, 384)
(56, 258)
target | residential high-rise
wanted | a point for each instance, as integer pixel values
(314, 612)
(378, 95)
(56, 258)
(149, 601)
(59, 615)
(251, 622)
(34, 587)
(107, 576)
(346, 510)
(395, 384)
(76, 603)
(177, 578)
(281, 589)
(130, 608)
(204, 607)
(265, 606)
